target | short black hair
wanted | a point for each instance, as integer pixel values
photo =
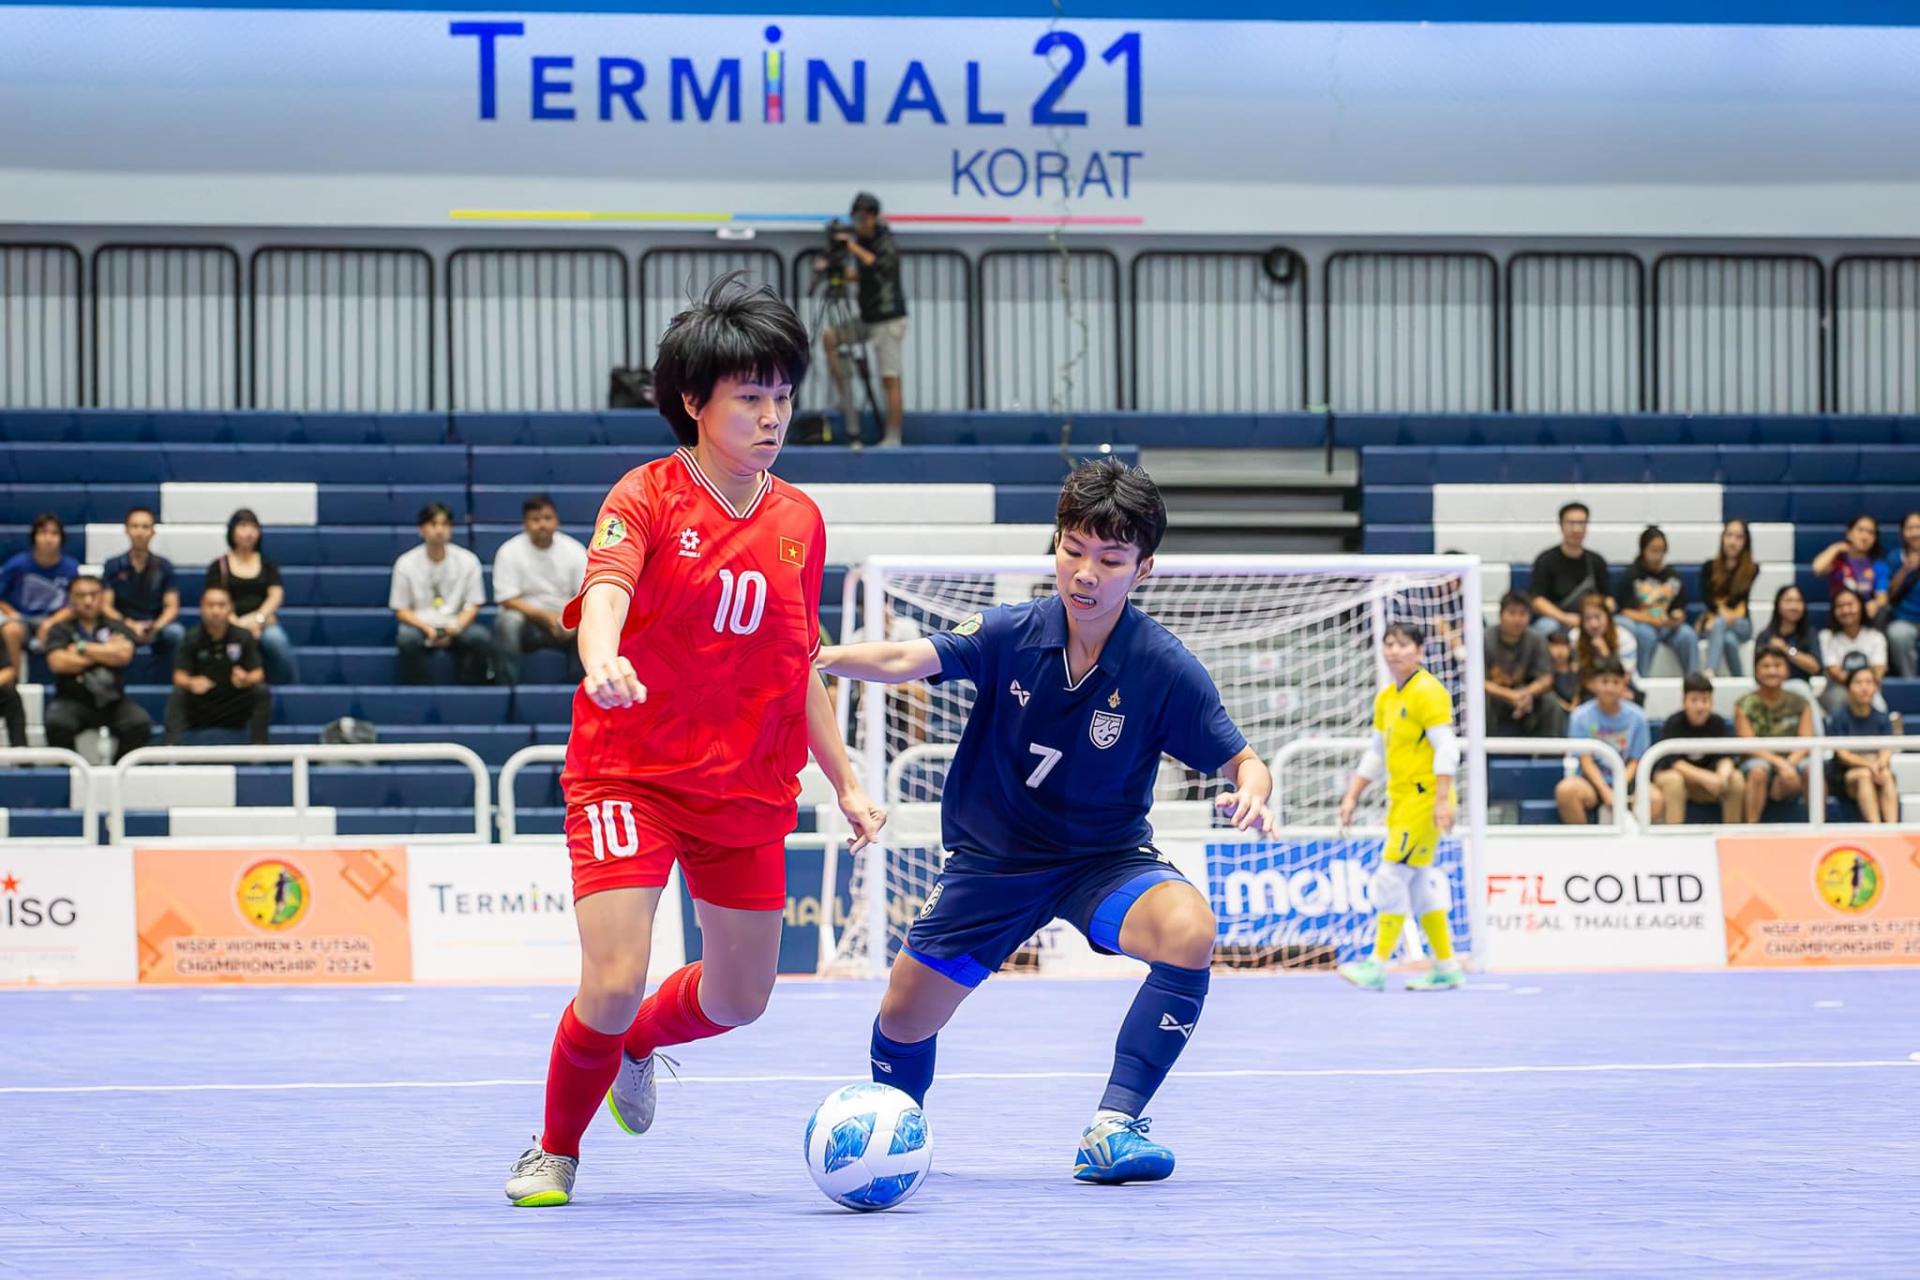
(1515, 600)
(1607, 666)
(134, 511)
(44, 519)
(244, 516)
(1771, 655)
(1111, 500)
(94, 578)
(1581, 507)
(1696, 683)
(737, 330)
(866, 202)
(212, 587)
(433, 511)
(538, 502)
(1412, 632)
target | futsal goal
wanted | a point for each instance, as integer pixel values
(1293, 643)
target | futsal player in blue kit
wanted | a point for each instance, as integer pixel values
(1044, 812)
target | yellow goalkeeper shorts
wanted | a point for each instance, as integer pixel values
(1412, 837)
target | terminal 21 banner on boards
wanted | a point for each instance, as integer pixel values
(1344, 117)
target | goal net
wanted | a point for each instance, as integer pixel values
(1293, 643)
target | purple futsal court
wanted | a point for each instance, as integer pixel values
(1704, 1124)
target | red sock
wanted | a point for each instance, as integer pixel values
(671, 1015)
(579, 1074)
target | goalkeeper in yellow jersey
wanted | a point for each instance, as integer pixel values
(1414, 747)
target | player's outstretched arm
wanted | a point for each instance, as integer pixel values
(610, 681)
(830, 753)
(888, 662)
(1252, 786)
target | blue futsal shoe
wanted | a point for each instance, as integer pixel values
(1119, 1151)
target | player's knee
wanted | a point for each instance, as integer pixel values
(618, 981)
(735, 1004)
(907, 1021)
(1186, 939)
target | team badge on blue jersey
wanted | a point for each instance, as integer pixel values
(1105, 729)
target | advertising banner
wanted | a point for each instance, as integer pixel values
(283, 915)
(66, 915)
(225, 113)
(1307, 901)
(1603, 904)
(492, 913)
(1802, 900)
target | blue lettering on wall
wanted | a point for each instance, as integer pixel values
(621, 78)
(1009, 173)
(916, 94)
(547, 86)
(853, 105)
(487, 33)
(687, 83)
(976, 114)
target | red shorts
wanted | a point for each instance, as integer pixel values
(624, 844)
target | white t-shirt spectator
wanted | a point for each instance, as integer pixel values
(544, 579)
(437, 590)
(1835, 645)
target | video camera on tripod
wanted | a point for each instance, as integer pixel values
(831, 266)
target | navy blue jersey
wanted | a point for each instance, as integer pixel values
(1048, 769)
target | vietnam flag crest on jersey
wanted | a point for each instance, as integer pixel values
(793, 552)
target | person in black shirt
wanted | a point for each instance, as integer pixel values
(883, 307)
(12, 711)
(218, 681)
(1705, 779)
(141, 590)
(88, 654)
(1519, 680)
(1562, 575)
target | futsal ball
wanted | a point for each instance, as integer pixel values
(868, 1146)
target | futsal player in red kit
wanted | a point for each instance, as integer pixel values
(698, 625)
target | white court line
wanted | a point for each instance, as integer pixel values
(1247, 1073)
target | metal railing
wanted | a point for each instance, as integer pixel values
(301, 756)
(507, 811)
(77, 766)
(1610, 760)
(1818, 750)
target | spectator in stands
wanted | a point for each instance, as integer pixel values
(141, 591)
(33, 589)
(1903, 600)
(1865, 777)
(13, 713)
(1612, 719)
(1653, 602)
(1703, 778)
(1726, 584)
(1564, 575)
(1520, 701)
(1789, 634)
(1772, 711)
(535, 573)
(88, 653)
(1846, 646)
(218, 680)
(1566, 674)
(252, 582)
(1600, 637)
(883, 309)
(1856, 563)
(436, 596)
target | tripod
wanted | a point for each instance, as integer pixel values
(837, 312)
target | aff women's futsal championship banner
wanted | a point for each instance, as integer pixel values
(284, 915)
(1349, 117)
(1792, 900)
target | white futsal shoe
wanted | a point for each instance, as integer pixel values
(634, 1093)
(541, 1179)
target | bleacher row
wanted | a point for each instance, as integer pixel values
(335, 519)
(1796, 488)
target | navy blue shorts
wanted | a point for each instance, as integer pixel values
(984, 909)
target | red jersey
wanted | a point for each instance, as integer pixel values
(722, 631)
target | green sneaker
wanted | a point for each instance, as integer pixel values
(1443, 978)
(1368, 974)
(541, 1179)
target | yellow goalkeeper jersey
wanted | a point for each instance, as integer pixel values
(1403, 715)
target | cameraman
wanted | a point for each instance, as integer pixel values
(883, 307)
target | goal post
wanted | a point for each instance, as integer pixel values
(1292, 643)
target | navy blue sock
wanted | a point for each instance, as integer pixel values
(907, 1067)
(1156, 1029)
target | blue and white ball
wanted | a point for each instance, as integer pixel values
(868, 1146)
